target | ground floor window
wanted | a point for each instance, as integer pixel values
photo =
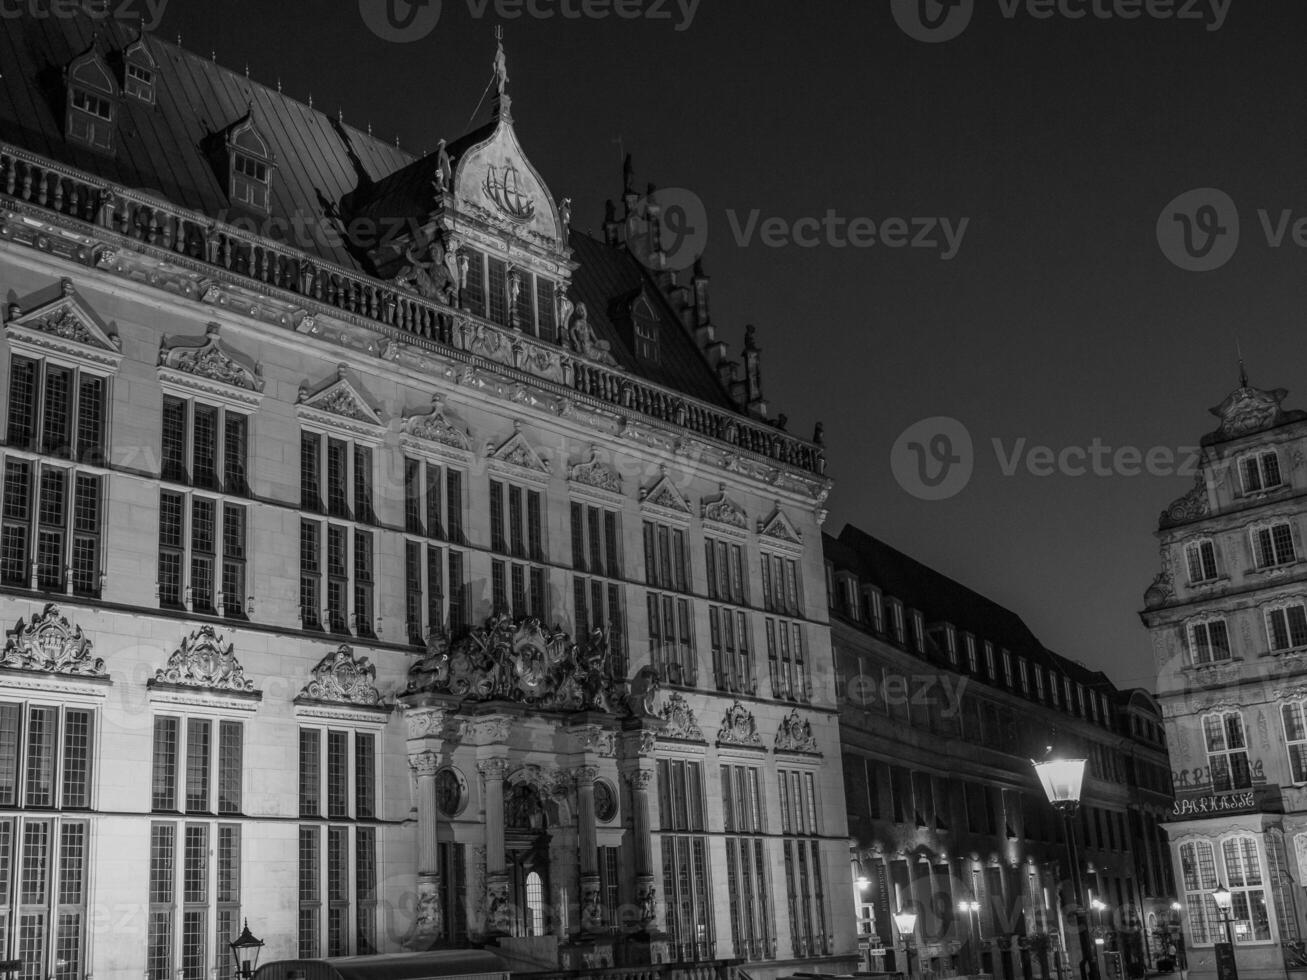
(43, 867)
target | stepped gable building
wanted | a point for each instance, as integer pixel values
(947, 697)
(385, 591)
(1228, 621)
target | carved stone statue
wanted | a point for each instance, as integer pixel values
(649, 906)
(644, 692)
(582, 339)
(565, 214)
(433, 669)
(430, 277)
(443, 178)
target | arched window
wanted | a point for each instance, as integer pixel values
(535, 904)
(92, 103)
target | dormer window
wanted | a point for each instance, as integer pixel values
(249, 166)
(139, 72)
(92, 103)
(646, 332)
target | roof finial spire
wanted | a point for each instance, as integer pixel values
(501, 61)
(1243, 372)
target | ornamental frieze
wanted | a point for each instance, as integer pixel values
(343, 678)
(520, 660)
(204, 660)
(795, 735)
(50, 644)
(739, 728)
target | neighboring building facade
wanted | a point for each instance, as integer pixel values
(289, 515)
(1227, 621)
(946, 699)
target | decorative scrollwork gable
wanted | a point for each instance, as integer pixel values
(678, 720)
(343, 678)
(341, 406)
(780, 529)
(435, 430)
(739, 728)
(724, 512)
(212, 369)
(795, 735)
(596, 474)
(204, 660)
(64, 327)
(1191, 507)
(517, 456)
(48, 643)
(665, 499)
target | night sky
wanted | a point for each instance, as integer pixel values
(1059, 321)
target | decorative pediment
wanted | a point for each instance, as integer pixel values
(724, 511)
(596, 474)
(65, 326)
(343, 678)
(340, 405)
(795, 735)
(739, 728)
(434, 430)
(211, 368)
(48, 643)
(518, 454)
(205, 661)
(663, 496)
(780, 529)
(679, 721)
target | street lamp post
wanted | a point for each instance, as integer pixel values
(1062, 780)
(1226, 968)
(972, 908)
(245, 950)
(906, 924)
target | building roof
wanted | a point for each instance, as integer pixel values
(325, 170)
(941, 599)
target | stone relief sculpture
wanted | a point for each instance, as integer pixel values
(48, 642)
(583, 340)
(343, 678)
(739, 728)
(521, 660)
(203, 660)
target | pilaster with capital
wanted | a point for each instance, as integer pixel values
(641, 781)
(587, 841)
(498, 914)
(427, 923)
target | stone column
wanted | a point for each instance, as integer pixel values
(498, 918)
(588, 847)
(427, 921)
(646, 895)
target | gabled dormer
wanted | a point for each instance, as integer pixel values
(242, 158)
(634, 315)
(139, 71)
(91, 110)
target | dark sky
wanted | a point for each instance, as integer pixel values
(1058, 322)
